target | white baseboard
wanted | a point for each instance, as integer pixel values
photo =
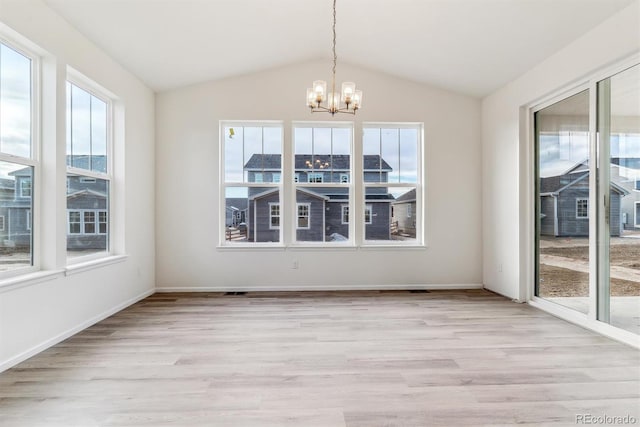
(4, 365)
(329, 287)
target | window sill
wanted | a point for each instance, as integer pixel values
(95, 263)
(322, 247)
(29, 279)
(395, 247)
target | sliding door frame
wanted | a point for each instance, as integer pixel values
(598, 190)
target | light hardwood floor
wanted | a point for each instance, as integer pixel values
(356, 359)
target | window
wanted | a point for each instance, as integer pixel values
(637, 187)
(319, 182)
(2, 223)
(274, 215)
(322, 154)
(18, 133)
(74, 222)
(25, 187)
(392, 168)
(368, 214)
(88, 170)
(251, 169)
(303, 215)
(637, 215)
(345, 214)
(582, 208)
(315, 177)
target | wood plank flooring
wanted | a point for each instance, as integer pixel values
(353, 359)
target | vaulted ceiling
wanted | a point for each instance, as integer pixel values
(468, 46)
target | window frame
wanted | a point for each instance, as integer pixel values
(298, 216)
(323, 183)
(224, 185)
(93, 89)
(273, 205)
(33, 160)
(636, 217)
(579, 209)
(419, 185)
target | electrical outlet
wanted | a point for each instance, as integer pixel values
(294, 265)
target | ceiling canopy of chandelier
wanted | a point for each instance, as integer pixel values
(347, 101)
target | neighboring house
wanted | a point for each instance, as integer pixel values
(322, 212)
(16, 210)
(626, 173)
(236, 211)
(403, 214)
(7, 194)
(87, 210)
(564, 203)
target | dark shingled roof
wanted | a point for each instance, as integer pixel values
(336, 162)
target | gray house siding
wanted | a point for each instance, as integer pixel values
(315, 233)
(568, 224)
(547, 220)
(380, 227)
(334, 219)
(259, 219)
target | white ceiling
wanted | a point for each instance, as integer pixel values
(468, 46)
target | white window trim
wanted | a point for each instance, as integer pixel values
(96, 222)
(24, 181)
(368, 208)
(271, 216)
(578, 200)
(344, 208)
(298, 206)
(28, 223)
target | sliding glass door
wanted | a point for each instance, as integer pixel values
(619, 190)
(587, 200)
(563, 187)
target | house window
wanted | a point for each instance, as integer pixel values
(582, 208)
(637, 215)
(392, 171)
(25, 187)
(18, 143)
(89, 222)
(2, 223)
(274, 215)
(315, 177)
(89, 129)
(102, 222)
(74, 222)
(368, 214)
(251, 163)
(303, 215)
(637, 187)
(345, 214)
(321, 155)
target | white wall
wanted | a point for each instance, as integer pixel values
(35, 316)
(504, 160)
(187, 196)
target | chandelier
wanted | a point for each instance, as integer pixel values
(348, 101)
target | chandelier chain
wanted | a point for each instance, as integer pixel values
(335, 56)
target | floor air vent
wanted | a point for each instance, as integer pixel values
(235, 293)
(419, 291)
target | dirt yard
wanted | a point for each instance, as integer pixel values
(564, 282)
